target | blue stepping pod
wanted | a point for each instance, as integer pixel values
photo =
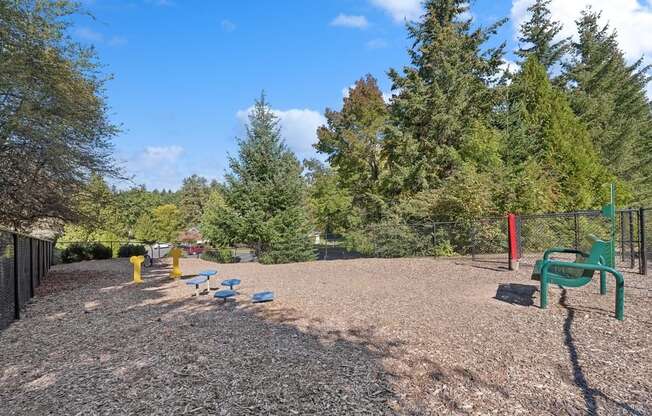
(262, 297)
(196, 281)
(224, 294)
(230, 283)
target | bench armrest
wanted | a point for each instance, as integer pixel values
(562, 250)
(582, 266)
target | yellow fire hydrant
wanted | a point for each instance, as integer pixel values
(175, 253)
(137, 261)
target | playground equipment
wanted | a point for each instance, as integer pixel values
(601, 258)
(224, 294)
(199, 280)
(208, 274)
(230, 283)
(261, 297)
(175, 253)
(137, 261)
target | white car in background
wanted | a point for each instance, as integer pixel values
(162, 245)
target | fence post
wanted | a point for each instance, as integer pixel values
(622, 236)
(434, 235)
(16, 295)
(31, 269)
(577, 232)
(631, 239)
(642, 243)
(472, 230)
(512, 242)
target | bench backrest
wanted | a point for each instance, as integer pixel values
(597, 255)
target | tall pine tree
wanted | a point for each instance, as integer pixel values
(548, 149)
(610, 97)
(537, 36)
(265, 194)
(442, 96)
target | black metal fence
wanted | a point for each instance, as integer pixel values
(487, 239)
(24, 261)
(480, 239)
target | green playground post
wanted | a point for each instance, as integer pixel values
(609, 211)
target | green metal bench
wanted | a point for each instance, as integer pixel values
(580, 272)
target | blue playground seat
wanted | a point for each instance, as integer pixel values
(196, 281)
(224, 294)
(230, 283)
(208, 274)
(262, 297)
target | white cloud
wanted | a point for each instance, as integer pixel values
(400, 10)
(345, 20)
(158, 166)
(377, 44)
(227, 25)
(298, 128)
(89, 35)
(631, 18)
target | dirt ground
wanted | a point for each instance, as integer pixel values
(345, 337)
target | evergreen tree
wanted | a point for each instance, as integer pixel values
(549, 146)
(352, 141)
(192, 197)
(441, 97)
(537, 36)
(265, 193)
(610, 97)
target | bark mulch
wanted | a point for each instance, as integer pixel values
(344, 337)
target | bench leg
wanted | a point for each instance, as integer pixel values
(603, 282)
(544, 291)
(620, 297)
(197, 290)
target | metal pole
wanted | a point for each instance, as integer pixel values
(622, 236)
(631, 239)
(472, 231)
(577, 232)
(641, 242)
(16, 295)
(31, 269)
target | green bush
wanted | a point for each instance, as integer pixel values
(358, 241)
(99, 251)
(444, 249)
(74, 253)
(128, 250)
(79, 252)
(221, 255)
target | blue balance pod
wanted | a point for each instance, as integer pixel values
(262, 297)
(230, 283)
(224, 294)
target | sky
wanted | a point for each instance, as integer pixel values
(184, 73)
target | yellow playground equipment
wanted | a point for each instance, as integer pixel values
(175, 253)
(137, 261)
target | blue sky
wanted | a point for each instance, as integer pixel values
(186, 71)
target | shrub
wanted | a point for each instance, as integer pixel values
(128, 250)
(74, 253)
(221, 255)
(80, 252)
(444, 249)
(358, 241)
(99, 251)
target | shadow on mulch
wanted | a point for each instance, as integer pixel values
(588, 393)
(516, 294)
(210, 357)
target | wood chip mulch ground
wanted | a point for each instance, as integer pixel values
(344, 337)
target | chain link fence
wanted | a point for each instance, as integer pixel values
(23, 263)
(484, 239)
